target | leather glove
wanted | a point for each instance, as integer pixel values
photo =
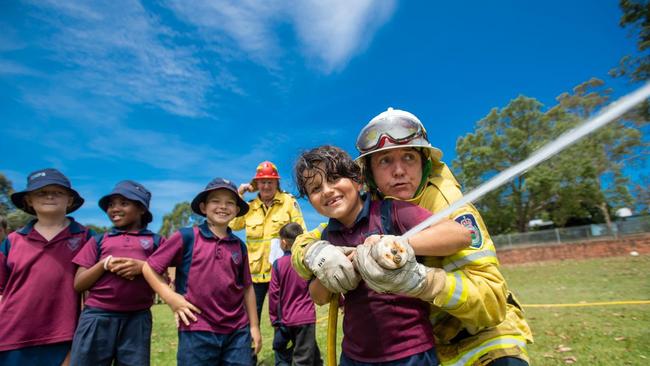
(331, 266)
(412, 278)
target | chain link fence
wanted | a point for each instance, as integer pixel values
(629, 226)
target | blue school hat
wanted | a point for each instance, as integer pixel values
(219, 183)
(41, 178)
(133, 191)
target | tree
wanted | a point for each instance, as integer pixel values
(181, 216)
(636, 14)
(6, 189)
(642, 193)
(567, 188)
(17, 219)
(501, 139)
(97, 229)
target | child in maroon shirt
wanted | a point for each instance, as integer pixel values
(378, 328)
(115, 325)
(39, 308)
(291, 309)
(214, 303)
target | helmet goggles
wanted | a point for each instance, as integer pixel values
(393, 129)
(396, 131)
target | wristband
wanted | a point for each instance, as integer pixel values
(107, 261)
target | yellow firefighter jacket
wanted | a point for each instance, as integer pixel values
(263, 224)
(475, 317)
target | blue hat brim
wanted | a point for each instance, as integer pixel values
(147, 217)
(196, 202)
(18, 198)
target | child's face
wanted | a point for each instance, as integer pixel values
(124, 213)
(220, 207)
(338, 199)
(50, 200)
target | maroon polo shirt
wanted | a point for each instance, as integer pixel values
(289, 300)
(112, 292)
(217, 275)
(381, 327)
(39, 305)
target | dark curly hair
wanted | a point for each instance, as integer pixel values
(329, 161)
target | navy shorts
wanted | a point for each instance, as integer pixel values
(421, 359)
(207, 348)
(106, 336)
(45, 355)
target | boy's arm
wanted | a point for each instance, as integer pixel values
(442, 239)
(85, 278)
(319, 293)
(90, 269)
(251, 310)
(182, 308)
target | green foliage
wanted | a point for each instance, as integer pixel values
(98, 229)
(6, 189)
(636, 14)
(181, 216)
(581, 184)
(17, 219)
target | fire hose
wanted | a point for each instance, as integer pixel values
(608, 114)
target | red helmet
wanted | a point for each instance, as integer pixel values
(266, 170)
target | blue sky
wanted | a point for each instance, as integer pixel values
(173, 93)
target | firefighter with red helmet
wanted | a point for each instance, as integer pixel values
(271, 209)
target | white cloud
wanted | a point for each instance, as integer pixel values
(8, 67)
(121, 51)
(334, 31)
(330, 32)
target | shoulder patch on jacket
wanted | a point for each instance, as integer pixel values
(469, 221)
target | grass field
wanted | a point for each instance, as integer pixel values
(581, 335)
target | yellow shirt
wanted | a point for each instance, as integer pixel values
(263, 224)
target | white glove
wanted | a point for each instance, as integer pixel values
(331, 266)
(412, 278)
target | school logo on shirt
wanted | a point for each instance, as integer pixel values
(145, 243)
(469, 221)
(73, 243)
(236, 257)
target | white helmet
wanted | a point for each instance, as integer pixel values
(394, 129)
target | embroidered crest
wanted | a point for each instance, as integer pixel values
(145, 243)
(73, 243)
(236, 257)
(469, 221)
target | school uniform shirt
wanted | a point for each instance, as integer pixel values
(39, 305)
(112, 292)
(263, 224)
(381, 327)
(289, 300)
(217, 275)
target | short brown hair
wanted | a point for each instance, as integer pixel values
(290, 231)
(330, 161)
